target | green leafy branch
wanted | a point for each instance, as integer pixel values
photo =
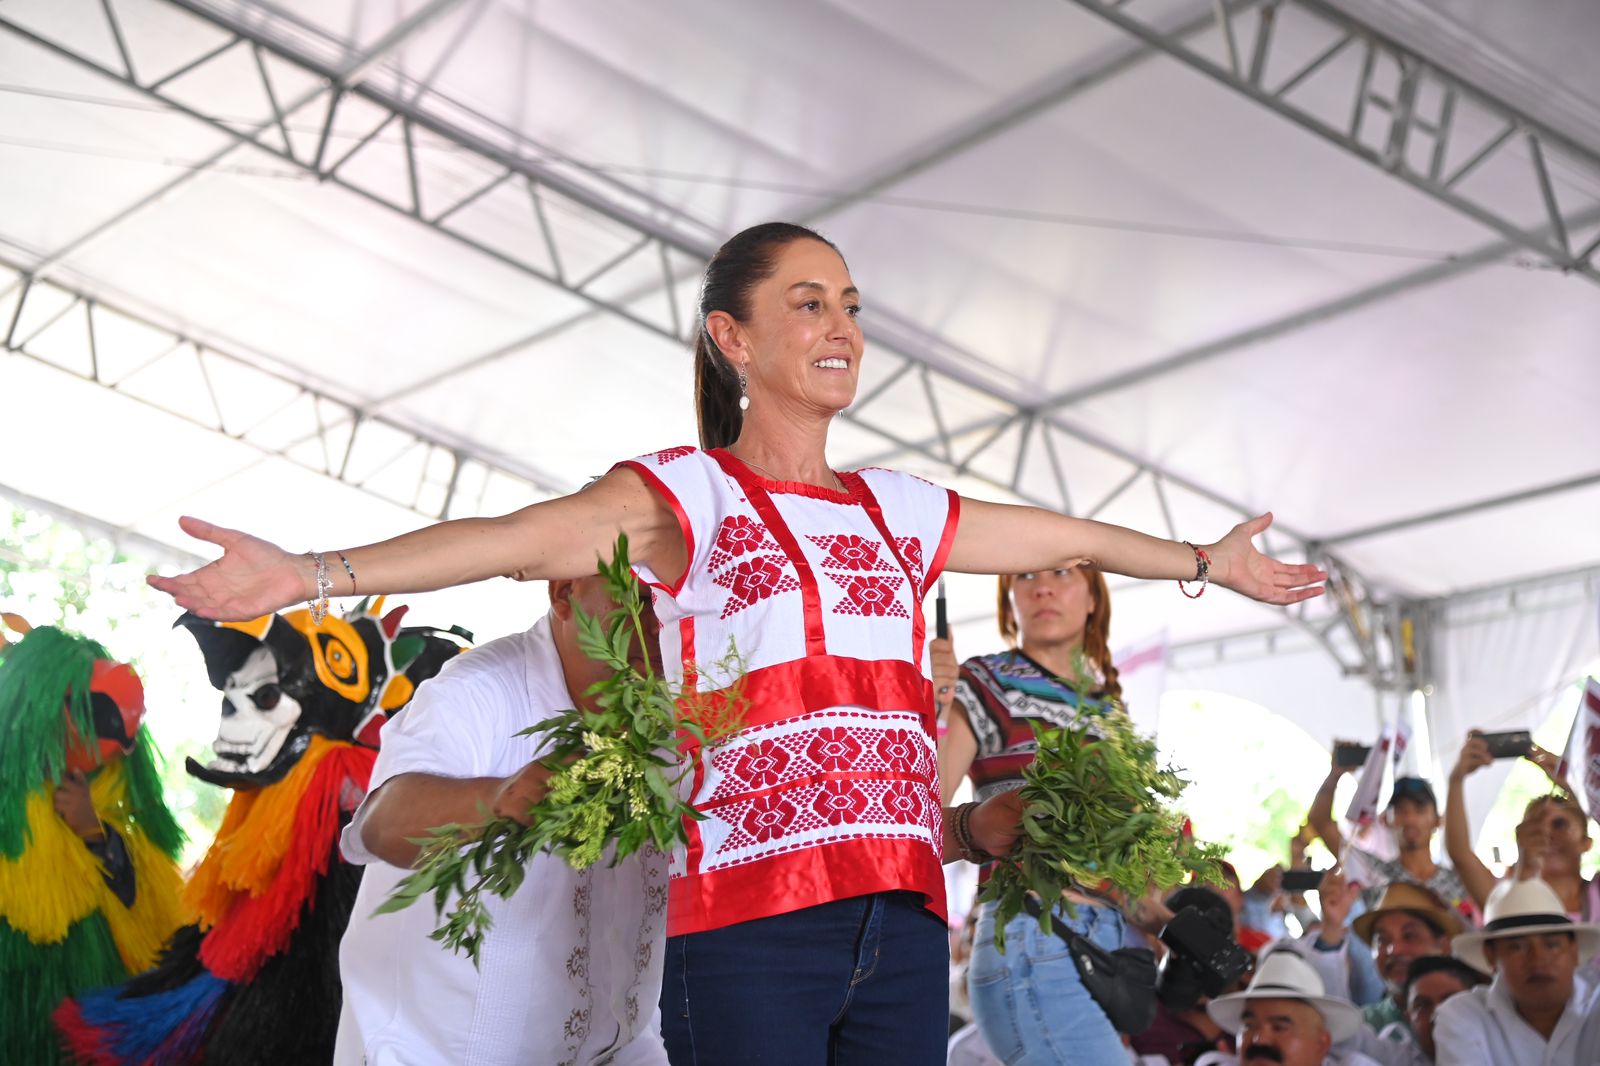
(1096, 809)
(615, 776)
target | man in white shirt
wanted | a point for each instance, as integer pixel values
(1536, 1012)
(570, 971)
(1432, 980)
(1285, 1017)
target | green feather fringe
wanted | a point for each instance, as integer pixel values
(37, 977)
(36, 676)
(142, 772)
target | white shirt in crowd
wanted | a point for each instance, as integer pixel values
(1338, 1058)
(1482, 1026)
(570, 972)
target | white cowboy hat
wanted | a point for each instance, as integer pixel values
(1522, 908)
(1285, 975)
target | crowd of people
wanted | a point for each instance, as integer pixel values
(803, 921)
(1361, 978)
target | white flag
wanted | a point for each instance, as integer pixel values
(1363, 810)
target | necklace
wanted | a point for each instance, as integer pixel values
(838, 483)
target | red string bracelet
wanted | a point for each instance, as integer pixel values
(1202, 573)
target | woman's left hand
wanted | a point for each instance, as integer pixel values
(1236, 564)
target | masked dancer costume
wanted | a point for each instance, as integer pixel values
(76, 910)
(255, 978)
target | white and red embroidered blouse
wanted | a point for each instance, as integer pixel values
(831, 788)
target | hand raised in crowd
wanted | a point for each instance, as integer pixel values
(1474, 756)
(1552, 765)
(946, 671)
(252, 578)
(1338, 769)
(1533, 840)
(517, 794)
(1270, 883)
(76, 807)
(1337, 896)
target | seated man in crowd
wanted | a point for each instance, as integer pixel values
(1285, 1017)
(1408, 923)
(1536, 1012)
(571, 970)
(1412, 817)
(1431, 980)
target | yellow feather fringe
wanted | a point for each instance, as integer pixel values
(252, 841)
(58, 882)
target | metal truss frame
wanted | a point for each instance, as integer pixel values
(347, 444)
(1396, 111)
(665, 248)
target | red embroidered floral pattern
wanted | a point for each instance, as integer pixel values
(740, 534)
(761, 765)
(834, 749)
(769, 817)
(850, 552)
(754, 580)
(666, 455)
(903, 801)
(839, 801)
(870, 595)
(898, 748)
(911, 551)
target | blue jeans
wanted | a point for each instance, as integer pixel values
(855, 982)
(1030, 1002)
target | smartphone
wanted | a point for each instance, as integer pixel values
(1350, 756)
(1298, 881)
(1512, 745)
(941, 619)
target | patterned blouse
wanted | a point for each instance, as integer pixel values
(1001, 694)
(830, 789)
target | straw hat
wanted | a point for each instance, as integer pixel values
(1285, 975)
(1523, 908)
(1412, 899)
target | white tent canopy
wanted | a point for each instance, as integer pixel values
(327, 269)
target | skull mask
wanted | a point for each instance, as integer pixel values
(285, 678)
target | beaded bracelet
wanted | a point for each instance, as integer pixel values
(319, 606)
(963, 833)
(1202, 573)
(349, 570)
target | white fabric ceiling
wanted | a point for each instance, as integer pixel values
(1335, 357)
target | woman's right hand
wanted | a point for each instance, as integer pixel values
(1474, 756)
(252, 578)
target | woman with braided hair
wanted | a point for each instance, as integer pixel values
(805, 911)
(1029, 1000)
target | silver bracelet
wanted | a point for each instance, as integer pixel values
(319, 606)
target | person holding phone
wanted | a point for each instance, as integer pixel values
(1412, 818)
(1551, 838)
